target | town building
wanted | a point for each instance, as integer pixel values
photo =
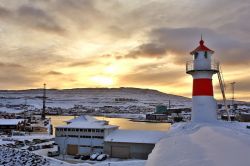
(9, 125)
(157, 117)
(83, 135)
(135, 144)
(86, 135)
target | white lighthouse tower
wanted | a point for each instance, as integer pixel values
(202, 68)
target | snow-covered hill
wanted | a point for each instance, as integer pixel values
(207, 144)
(92, 97)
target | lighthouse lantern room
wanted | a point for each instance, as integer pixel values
(202, 68)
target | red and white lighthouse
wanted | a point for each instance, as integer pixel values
(202, 68)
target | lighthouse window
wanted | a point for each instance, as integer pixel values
(205, 54)
(196, 55)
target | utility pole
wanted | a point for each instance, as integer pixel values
(44, 101)
(232, 86)
(169, 105)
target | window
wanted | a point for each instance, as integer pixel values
(93, 130)
(196, 55)
(64, 129)
(85, 146)
(102, 131)
(89, 130)
(77, 129)
(81, 130)
(205, 54)
(98, 137)
(98, 147)
(85, 136)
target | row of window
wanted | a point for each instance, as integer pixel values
(81, 130)
(96, 147)
(83, 136)
(196, 55)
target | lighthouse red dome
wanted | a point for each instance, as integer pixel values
(201, 47)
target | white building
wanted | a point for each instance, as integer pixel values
(83, 135)
(136, 144)
(8, 125)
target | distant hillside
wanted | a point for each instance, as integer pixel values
(93, 97)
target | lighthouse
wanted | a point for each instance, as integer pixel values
(202, 68)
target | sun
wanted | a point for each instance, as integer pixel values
(102, 80)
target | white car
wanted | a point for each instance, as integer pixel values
(101, 157)
(94, 156)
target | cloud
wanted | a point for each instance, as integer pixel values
(55, 73)
(157, 74)
(13, 74)
(41, 38)
(82, 63)
(4, 12)
(180, 41)
(10, 65)
(31, 17)
(150, 50)
(37, 19)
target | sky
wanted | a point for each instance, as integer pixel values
(121, 43)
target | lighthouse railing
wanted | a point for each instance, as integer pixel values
(190, 66)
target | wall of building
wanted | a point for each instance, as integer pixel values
(87, 141)
(128, 150)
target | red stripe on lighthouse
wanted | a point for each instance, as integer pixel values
(202, 87)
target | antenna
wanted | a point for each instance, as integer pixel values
(44, 101)
(232, 86)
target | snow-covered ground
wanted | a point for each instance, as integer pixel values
(23, 157)
(15, 157)
(186, 144)
(193, 144)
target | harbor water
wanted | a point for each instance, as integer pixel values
(123, 123)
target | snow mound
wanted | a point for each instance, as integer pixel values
(218, 144)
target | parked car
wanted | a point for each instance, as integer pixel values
(47, 146)
(94, 156)
(101, 157)
(31, 148)
(85, 157)
(77, 156)
(53, 153)
(37, 147)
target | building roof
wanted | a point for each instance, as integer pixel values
(201, 47)
(87, 125)
(10, 121)
(135, 136)
(82, 118)
(87, 122)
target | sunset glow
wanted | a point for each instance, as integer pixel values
(81, 44)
